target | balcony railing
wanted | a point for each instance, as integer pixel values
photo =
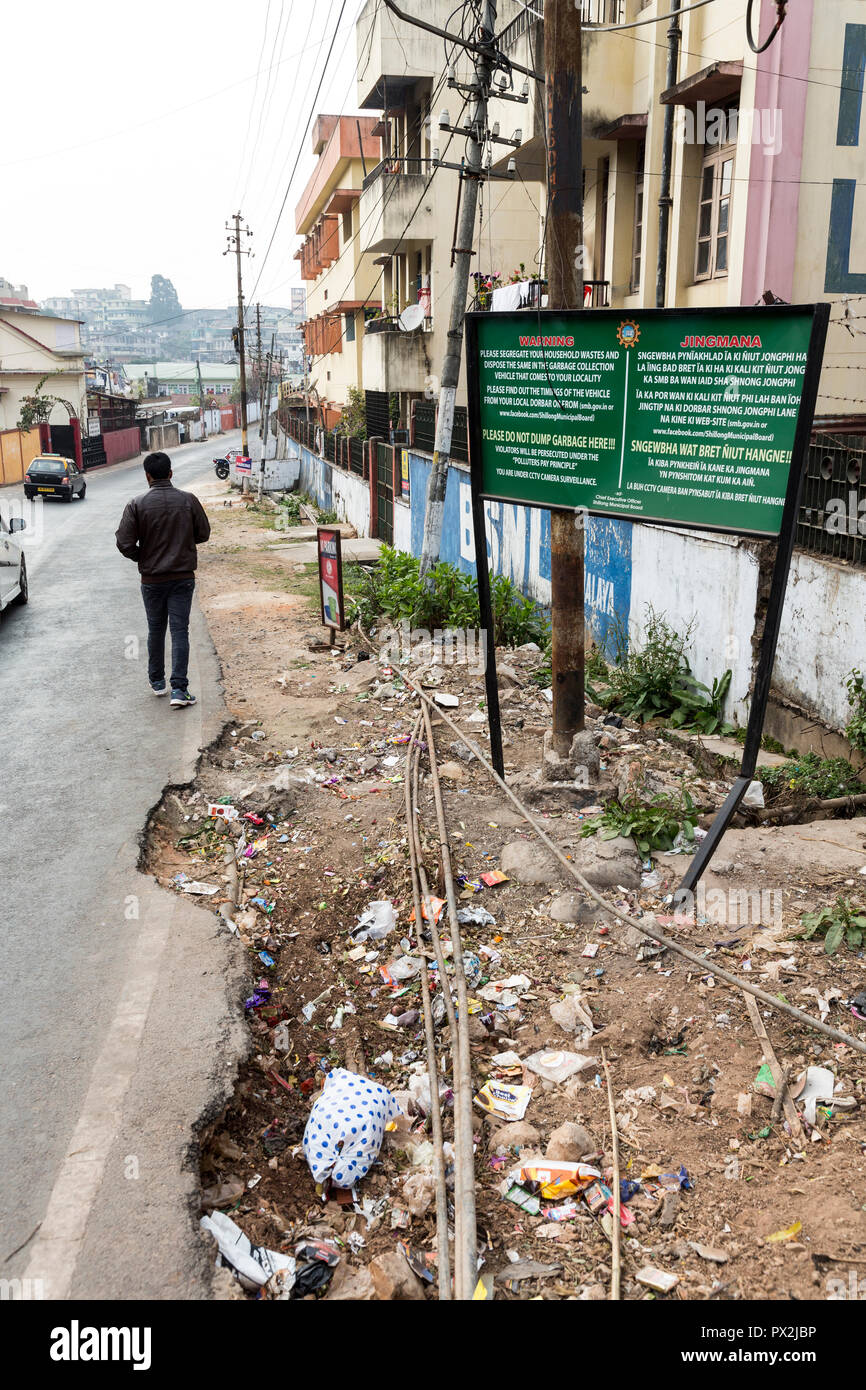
(592, 12)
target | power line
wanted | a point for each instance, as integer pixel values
(151, 120)
(268, 95)
(301, 140)
(637, 23)
(253, 100)
(415, 129)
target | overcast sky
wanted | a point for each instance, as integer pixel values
(132, 132)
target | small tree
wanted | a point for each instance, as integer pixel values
(353, 421)
(36, 409)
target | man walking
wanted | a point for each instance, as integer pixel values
(160, 530)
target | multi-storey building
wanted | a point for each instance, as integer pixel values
(378, 221)
(340, 278)
(767, 162)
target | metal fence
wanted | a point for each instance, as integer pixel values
(339, 449)
(423, 432)
(832, 520)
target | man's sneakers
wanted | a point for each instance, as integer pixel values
(158, 688)
(181, 698)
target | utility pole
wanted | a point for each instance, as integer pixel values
(266, 416)
(259, 350)
(201, 399)
(235, 244)
(470, 176)
(563, 84)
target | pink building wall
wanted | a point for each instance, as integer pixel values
(774, 179)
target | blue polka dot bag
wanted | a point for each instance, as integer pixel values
(346, 1127)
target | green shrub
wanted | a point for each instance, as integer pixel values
(653, 824)
(654, 681)
(855, 729)
(393, 590)
(845, 918)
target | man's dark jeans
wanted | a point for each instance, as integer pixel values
(168, 605)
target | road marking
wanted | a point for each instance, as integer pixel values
(55, 1254)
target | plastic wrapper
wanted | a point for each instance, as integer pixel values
(559, 1179)
(558, 1066)
(502, 1099)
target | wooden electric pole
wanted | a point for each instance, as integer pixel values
(201, 399)
(564, 259)
(266, 416)
(259, 349)
(235, 243)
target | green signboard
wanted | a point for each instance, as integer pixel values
(685, 417)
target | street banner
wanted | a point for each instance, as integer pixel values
(330, 577)
(685, 417)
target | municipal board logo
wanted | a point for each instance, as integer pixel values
(627, 333)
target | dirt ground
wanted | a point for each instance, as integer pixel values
(756, 1217)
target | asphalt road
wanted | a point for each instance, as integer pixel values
(116, 1028)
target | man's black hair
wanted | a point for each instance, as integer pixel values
(157, 465)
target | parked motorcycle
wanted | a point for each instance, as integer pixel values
(222, 468)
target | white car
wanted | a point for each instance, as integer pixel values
(13, 570)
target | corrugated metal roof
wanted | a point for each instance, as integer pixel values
(182, 371)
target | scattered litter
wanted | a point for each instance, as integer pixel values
(706, 1252)
(519, 1197)
(222, 810)
(445, 700)
(475, 917)
(754, 795)
(309, 1009)
(505, 993)
(558, 1179)
(788, 1234)
(572, 1017)
(200, 890)
(813, 1085)
(404, 968)
(376, 921)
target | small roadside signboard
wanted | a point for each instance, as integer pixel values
(331, 578)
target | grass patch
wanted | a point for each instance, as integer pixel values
(812, 775)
